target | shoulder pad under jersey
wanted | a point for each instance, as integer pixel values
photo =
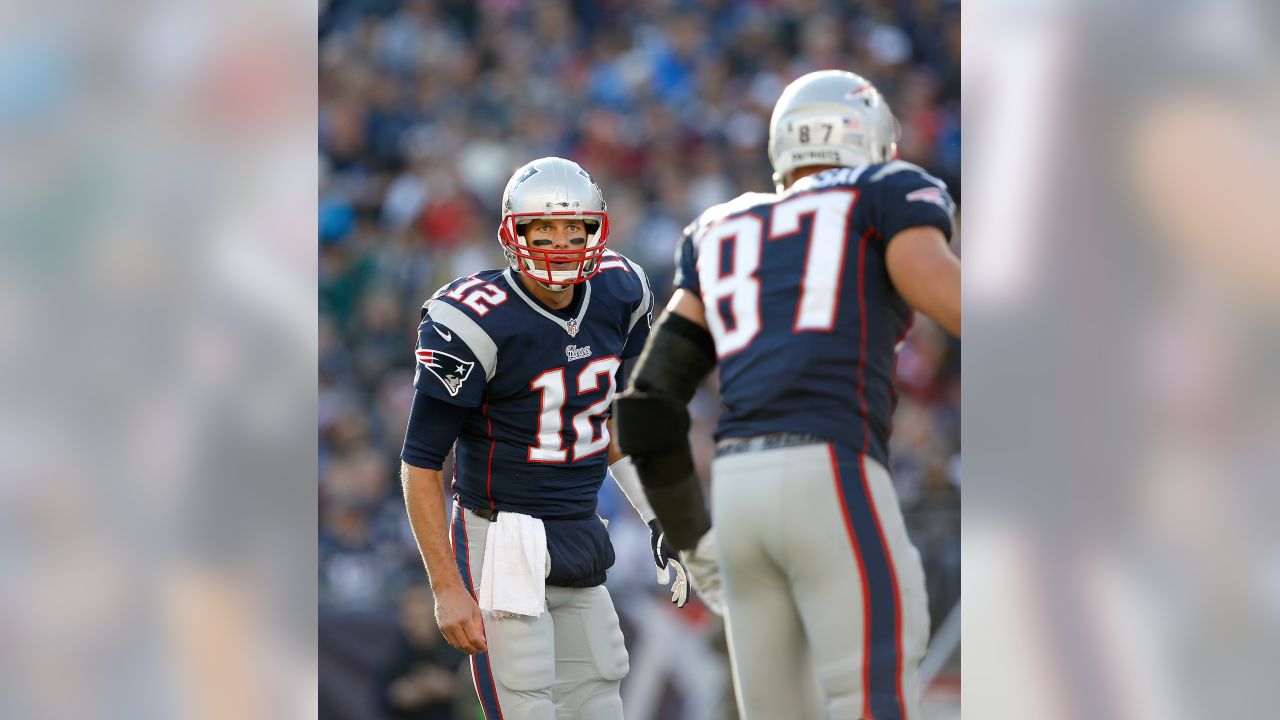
(742, 203)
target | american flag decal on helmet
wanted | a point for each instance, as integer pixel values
(450, 370)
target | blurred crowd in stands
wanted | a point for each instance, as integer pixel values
(427, 106)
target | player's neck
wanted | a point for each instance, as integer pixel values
(554, 300)
(806, 171)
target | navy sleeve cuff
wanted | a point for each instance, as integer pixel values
(434, 425)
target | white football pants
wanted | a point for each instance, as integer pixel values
(819, 575)
(565, 664)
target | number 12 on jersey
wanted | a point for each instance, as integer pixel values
(551, 385)
(820, 276)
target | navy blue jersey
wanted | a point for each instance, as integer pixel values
(800, 304)
(540, 382)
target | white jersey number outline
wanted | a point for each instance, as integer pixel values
(477, 299)
(820, 281)
(551, 385)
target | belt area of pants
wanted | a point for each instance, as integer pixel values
(772, 441)
(492, 515)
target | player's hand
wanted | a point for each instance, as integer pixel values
(704, 572)
(460, 622)
(666, 560)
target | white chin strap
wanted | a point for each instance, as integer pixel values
(567, 276)
(551, 287)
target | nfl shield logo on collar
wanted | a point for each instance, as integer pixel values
(572, 328)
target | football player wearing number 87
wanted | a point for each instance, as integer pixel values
(801, 297)
(519, 367)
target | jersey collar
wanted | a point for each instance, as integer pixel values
(571, 326)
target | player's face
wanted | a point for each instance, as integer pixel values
(556, 234)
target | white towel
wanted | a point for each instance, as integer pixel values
(513, 578)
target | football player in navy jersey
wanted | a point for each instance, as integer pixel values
(800, 298)
(519, 366)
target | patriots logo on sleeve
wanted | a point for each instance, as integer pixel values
(448, 369)
(932, 195)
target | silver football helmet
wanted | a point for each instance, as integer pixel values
(553, 187)
(830, 117)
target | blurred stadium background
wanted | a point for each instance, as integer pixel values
(426, 106)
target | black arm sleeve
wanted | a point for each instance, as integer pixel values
(652, 421)
(433, 427)
(624, 372)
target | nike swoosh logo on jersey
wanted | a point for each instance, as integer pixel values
(448, 336)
